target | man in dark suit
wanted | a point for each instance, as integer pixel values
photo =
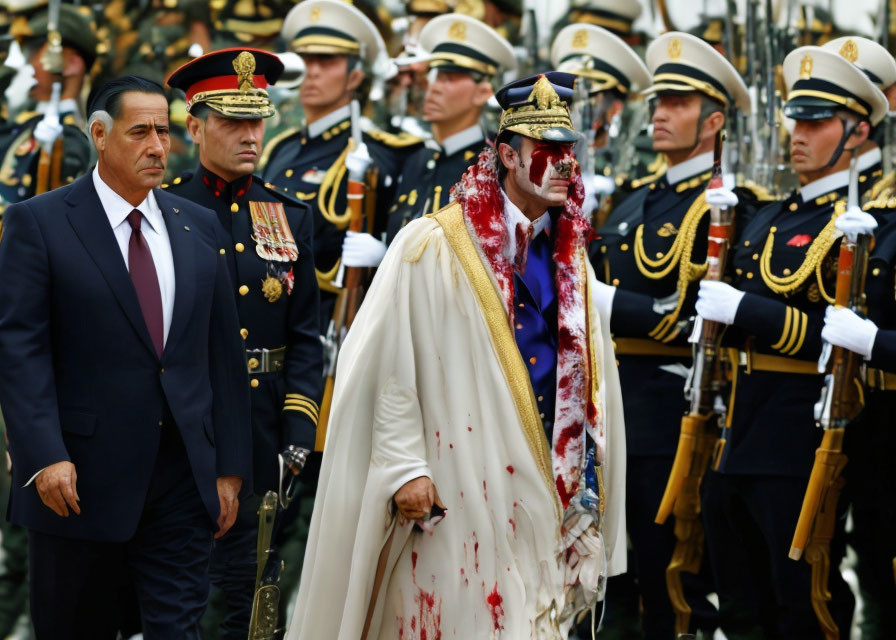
(124, 397)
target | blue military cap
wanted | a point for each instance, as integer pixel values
(538, 107)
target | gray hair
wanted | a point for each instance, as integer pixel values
(101, 116)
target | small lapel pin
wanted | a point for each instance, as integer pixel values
(186, 228)
(176, 210)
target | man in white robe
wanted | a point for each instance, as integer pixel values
(434, 408)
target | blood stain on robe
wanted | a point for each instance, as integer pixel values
(414, 566)
(494, 601)
(438, 445)
(512, 524)
(510, 469)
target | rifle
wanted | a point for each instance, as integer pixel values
(49, 164)
(840, 403)
(699, 439)
(266, 601)
(352, 293)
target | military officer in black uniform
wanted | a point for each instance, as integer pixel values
(466, 57)
(784, 269)
(21, 138)
(651, 253)
(338, 44)
(271, 259)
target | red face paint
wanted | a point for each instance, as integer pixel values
(544, 155)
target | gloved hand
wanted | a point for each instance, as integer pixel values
(294, 458)
(855, 222)
(18, 90)
(47, 131)
(721, 197)
(362, 250)
(843, 328)
(718, 301)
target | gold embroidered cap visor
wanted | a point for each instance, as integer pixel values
(820, 82)
(538, 107)
(332, 27)
(457, 42)
(683, 63)
(232, 82)
(603, 58)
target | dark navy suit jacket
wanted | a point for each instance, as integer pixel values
(80, 379)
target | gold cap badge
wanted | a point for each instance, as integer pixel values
(244, 65)
(580, 39)
(806, 67)
(674, 49)
(458, 31)
(850, 50)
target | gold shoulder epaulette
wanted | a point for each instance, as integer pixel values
(25, 116)
(658, 164)
(273, 142)
(395, 140)
(640, 182)
(760, 192)
(883, 187)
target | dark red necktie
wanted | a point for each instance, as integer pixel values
(146, 282)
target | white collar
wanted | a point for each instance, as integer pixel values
(824, 185)
(868, 159)
(334, 117)
(454, 143)
(513, 217)
(69, 105)
(696, 165)
(117, 208)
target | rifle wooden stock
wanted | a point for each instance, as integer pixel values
(682, 466)
(347, 304)
(49, 169)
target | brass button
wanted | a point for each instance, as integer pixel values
(615, 282)
(244, 333)
(161, 423)
(623, 247)
(746, 243)
(875, 271)
(522, 305)
(253, 383)
(659, 254)
(240, 247)
(793, 206)
(234, 207)
(519, 326)
(603, 249)
(533, 359)
(162, 370)
(288, 173)
(253, 363)
(755, 256)
(221, 251)
(749, 275)
(738, 271)
(540, 398)
(787, 272)
(244, 290)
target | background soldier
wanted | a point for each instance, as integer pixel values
(21, 139)
(880, 67)
(610, 76)
(651, 250)
(338, 45)
(784, 268)
(271, 263)
(466, 57)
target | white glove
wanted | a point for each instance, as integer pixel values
(718, 301)
(843, 328)
(362, 250)
(47, 131)
(357, 162)
(18, 90)
(721, 197)
(855, 222)
(603, 185)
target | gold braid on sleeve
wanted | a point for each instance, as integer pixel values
(785, 285)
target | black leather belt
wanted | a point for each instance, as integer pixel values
(265, 360)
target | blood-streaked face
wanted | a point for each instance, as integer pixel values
(545, 169)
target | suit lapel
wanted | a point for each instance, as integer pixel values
(88, 218)
(183, 251)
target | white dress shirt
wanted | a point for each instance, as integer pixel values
(513, 216)
(154, 232)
